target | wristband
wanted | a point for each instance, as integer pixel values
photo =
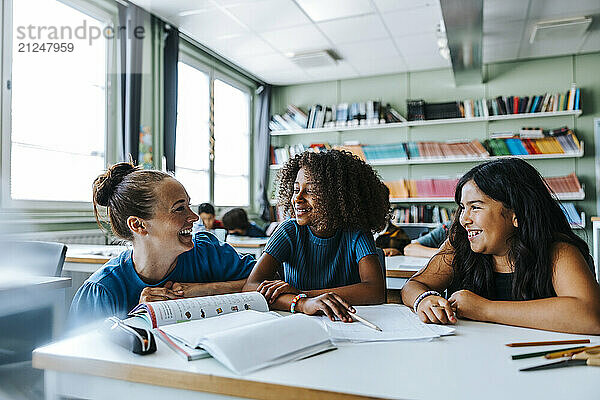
(295, 300)
(422, 296)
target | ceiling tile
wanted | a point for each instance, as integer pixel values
(391, 5)
(172, 8)
(371, 49)
(420, 43)
(414, 21)
(553, 9)
(285, 77)
(500, 52)
(269, 15)
(242, 45)
(379, 66)
(297, 39)
(425, 61)
(354, 29)
(504, 10)
(268, 62)
(210, 25)
(503, 31)
(319, 10)
(341, 70)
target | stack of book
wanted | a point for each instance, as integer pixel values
(421, 188)
(572, 215)
(280, 155)
(527, 142)
(562, 185)
(370, 112)
(421, 214)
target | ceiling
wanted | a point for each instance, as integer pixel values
(372, 37)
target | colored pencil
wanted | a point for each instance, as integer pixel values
(543, 353)
(562, 353)
(548, 343)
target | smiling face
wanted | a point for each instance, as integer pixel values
(488, 223)
(171, 224)
(304, 203)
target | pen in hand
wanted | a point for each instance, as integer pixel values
(365, 322)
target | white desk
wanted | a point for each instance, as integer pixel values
(596, 249)
(400, 268)
(248, 245)
(472, 364)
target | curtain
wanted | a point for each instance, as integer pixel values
(131, 43)
(171, 58)
(262, 143)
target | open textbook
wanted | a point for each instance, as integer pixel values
(236, 329)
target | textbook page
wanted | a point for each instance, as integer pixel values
(268, 343)
(193, 332)
(160, 313)
(397, 322)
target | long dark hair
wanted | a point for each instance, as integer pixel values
(542, 223)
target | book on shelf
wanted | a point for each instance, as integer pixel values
(236, 329)
(423, 213)
(573, 217)
(422, 188)
(568, 184)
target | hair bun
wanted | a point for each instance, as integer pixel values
(106, 183)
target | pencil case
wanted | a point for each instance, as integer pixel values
(137, 340)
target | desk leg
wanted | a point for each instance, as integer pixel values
(51, 385)
(59, 314)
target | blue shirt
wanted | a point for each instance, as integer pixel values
(436, 237)
(116, 287)
(310, 262)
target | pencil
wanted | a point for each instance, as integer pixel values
(365, 322)
(548, 343)
(543, 353)
(567, 353)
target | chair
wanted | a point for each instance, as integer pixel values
(414, 232)
(381, 256)
(33, 258)
(18, 337)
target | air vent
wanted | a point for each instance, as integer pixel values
(313, 59)
(560, 29)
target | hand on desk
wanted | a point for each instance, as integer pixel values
(469, 305)
(436, 310)
(273, 289)
(391, 252)
(160, 293)
(329, 304)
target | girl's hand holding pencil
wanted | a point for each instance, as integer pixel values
(330, 304)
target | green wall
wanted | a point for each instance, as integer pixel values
(520, 78)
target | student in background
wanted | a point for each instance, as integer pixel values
(511, 258)
(393, 241)
(236, 222)
(326, 251)
(206, 211)
(429, 244)
(151, 210)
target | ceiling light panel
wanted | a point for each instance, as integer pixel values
(354, 29)
(270, 15)
(320, 10)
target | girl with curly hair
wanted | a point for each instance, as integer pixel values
(323, 259)
(510, 258)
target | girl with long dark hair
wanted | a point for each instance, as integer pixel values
(510, 258)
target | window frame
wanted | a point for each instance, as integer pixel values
(192, 56)
(102, 10)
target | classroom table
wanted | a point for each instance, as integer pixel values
(596, 249)
(471, 364)
(398, 269)
(248, 245)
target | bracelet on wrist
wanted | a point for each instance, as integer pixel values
(295, 300)
(422, 296)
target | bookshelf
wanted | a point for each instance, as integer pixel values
(338, 129)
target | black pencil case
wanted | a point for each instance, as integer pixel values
(138, 340)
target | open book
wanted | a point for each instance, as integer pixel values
(236, 329)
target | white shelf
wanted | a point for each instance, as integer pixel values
(416, 224)
(575, 113)
(447, 160)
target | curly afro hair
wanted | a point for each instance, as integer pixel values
(349, 193)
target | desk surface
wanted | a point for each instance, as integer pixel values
(9, 284)
(470, 364)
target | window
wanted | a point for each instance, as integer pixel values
(232, 145)
(57, 104)
(192, 165)
(219, 174)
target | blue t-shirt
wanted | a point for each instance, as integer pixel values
(311, 263)
(116, 287)
(436, 237)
